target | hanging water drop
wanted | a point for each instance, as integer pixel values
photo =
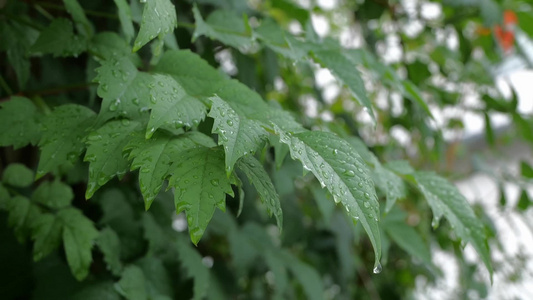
(377, 268)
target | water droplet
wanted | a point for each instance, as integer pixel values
(360, 184)
(230, 122)
(349, 173)
(125, 122)
(104, 87)
(367, 204)
(377, 268)
(135, 101)
(367, 195)
(335, 151)
(359, 170)
(153, 99)
(214, 182)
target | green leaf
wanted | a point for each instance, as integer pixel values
(19, 122)
(132, 284)
(193, 73)
(159, 18)
(445, 199)
(339, 168)
(413, 93)
(224, 26)
(406, 236)
(109, 244)
(124, 90)
(59, 39)
(108, 45)
(238, 134)
(46, 232)
(347, 73)
(200, 185)
(104, 153)
(526, 170)
(274, 38)
(391, 185)
(489, 133)
(124, 15)
(192, 263)
(524, 202)
(22, 214)
(306, 275)
(63, 136)
(54, 194)
(78, 15)
(154, 157)
(78, 238)
(4, 197)
(18, 175)
(172, 106)
(257, 176)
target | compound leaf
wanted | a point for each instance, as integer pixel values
(237, 133)
(172, 106)
(445, 199)
(257, 176)
(78, 237)
(104, 153)
(158, 19)
(340, 169)
(63, 136)
(19, 120)
(54, 194)
(59, 39)
(200, 185)
(153, 158)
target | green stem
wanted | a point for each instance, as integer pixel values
(39, 101)
(5, 86)
(186, 25)
(60, 89)
(87, 11)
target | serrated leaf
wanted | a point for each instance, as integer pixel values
(107, 45)
(132, 284)
(192, 262)
(445, 199)
(59, 39)
(200, 185)
(124, 90)
(224, 26)
(158, 19)
(104, 153)
(347, 73)
(63, 136)
(78, 15)
(18, 175)
(22, 214)
(46, 232)
(258, 177)
(19, 122)
(406, 236)
(124, 16)
(238, 134)
(154, 157)
(193, 73)
(78, 238)
(109, 244)
(17, 39)
(391, 185)
(273, 37)
(342, 171)
(171, 106)
(53, 194)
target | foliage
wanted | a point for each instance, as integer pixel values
(174, 121)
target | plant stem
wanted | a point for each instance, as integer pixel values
(87, 11)
(186, 25)
(59, 90)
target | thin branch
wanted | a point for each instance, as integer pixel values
(58, 90)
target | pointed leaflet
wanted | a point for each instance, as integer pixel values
(17, 175)
(104, 153)
(346, 72)
(22, 214)
(62, 142)
(132, 284)
(172, 106)
(192, 263)
(78, 238)
(78, 15)
(124, 90)
(154, 156)
(237, 133)
(259, 178)
(124, 15)
(445, 199)
(159, 18)
(200, 185)
(53, 194)
(109, 244)
(46, 232)
(193, 73)
(59, 39)
(338, 167)
(19, 120)
(225, 26)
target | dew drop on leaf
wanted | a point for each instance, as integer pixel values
(377, 268)
(214, 182)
